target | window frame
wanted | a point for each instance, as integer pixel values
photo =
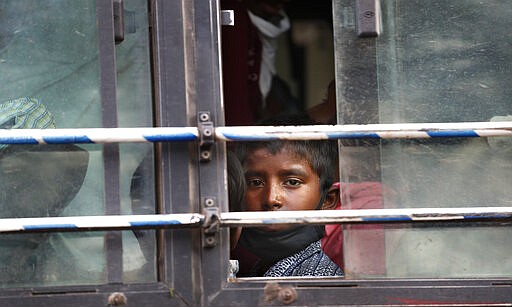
(186, 42)
(174, 69)
(254, 291)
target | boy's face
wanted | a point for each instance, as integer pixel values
(279, 182)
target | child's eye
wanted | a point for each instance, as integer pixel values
(254, 182)
(293, 182)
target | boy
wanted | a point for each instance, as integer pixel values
(288, 175)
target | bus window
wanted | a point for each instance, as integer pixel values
(436, 62)
(54, 53)
(61, 67)
(277, 58)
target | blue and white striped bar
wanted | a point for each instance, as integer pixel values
(230, 219)
(254, 218)
(109, 222)
(97, 135)
(255, 133)
(374, 131)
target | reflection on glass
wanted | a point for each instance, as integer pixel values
(448, 61)
(49, 56)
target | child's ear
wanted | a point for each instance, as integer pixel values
(332, 198)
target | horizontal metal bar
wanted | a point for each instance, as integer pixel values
(374, 131)
(107, 222)
(256, 133)
(97, 135)
(230, 219)
(253, 218)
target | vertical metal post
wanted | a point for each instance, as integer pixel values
(212, 175)
(107, 63)
(179, 251)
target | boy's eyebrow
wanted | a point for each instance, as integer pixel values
(296, 171)
(291, 171)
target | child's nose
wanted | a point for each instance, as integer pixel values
(274, 199)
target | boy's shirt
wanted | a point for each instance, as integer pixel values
(293, 252)
(311, 261)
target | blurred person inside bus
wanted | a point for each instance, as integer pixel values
(37, 180)
(236, 191)
(284, 175)
(325, 111)
(252, 86)
(143, 202)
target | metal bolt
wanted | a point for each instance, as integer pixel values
(205, 155)
(210, 241)
(287, 295)
(117, 299)
(204, 117)
(209, 202)
(207, 132)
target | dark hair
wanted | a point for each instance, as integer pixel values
(322, 155)
(236, 182)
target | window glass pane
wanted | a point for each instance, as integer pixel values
(441, 61)
(49, 53)
(134, 96)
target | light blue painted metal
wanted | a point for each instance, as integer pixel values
(254, 218)
(97, 135)
(255, 133)
(84, 223)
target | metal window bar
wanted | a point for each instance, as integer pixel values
(110, 151)
(254, 133)
(233, 219)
